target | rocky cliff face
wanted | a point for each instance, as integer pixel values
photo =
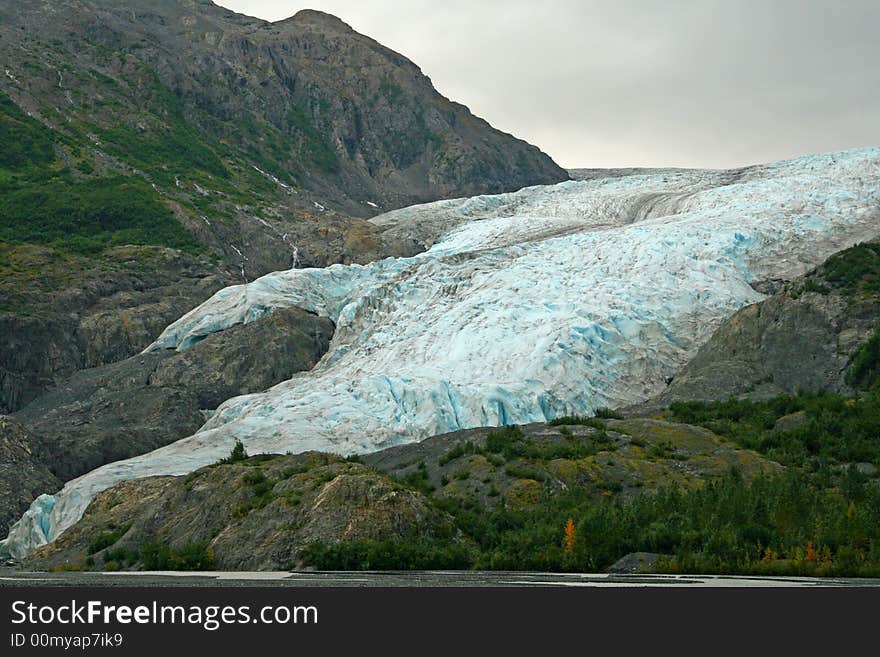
(123, 409)
(802, 337)
(328, 115)
(61, 313)
(22, 475)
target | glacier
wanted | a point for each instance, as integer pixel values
(553, 300)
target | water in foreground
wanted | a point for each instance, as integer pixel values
(9, 577)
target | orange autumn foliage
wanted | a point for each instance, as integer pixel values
(569, 535)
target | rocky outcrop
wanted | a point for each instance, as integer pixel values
(254, 515)
(127, 408)
(635, 563)
(60, 314)
(247, 357)
(802, 337)
(627, 457)
(261, 512)
(22, 475)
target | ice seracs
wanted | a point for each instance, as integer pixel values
(525, 306)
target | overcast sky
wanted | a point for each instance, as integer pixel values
(705, 83)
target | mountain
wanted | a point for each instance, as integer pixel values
(526, 306)
(158, 150)
(194, 97)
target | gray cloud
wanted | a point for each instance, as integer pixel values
(641, 83)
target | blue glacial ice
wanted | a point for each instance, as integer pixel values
(548, 301)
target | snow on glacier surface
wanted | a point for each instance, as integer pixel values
(549, 301)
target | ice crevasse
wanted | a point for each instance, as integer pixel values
(549, 301)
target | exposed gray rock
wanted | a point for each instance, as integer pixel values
(22, 476)
(105, 311)
(248, 357)
(802, 337)
(778, 346)
(637, 562)
(127, 408)
(791, 421)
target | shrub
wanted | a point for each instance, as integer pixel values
(502, 441)
(254, 478)
(156, 555)
(854, 270)
(459, 450)
(607, 414)
(106, 539)
(863, 370)
(523, 472)
(418, 479)
(575, 420)
(237, 455)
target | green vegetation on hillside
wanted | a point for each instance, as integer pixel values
(26, 142)
(314, 146)
(864, 367)
(821, 516)
(511, 443)
(42, 202)
(155, 555)
(87, 216)
(788, 524)
(855, 273)
(856, 270)
(174, 148)
(833, 429)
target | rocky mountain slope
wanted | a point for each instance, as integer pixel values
(146, 401)
(245, 146)
(512, 467)
(268, 512)
(22, 475)
(244, 516)
(205, 95)
(123, 409)
(816, 332)
(61, 312)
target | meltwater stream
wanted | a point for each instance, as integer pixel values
(549, 301)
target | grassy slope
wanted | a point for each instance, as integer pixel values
(43, 201)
